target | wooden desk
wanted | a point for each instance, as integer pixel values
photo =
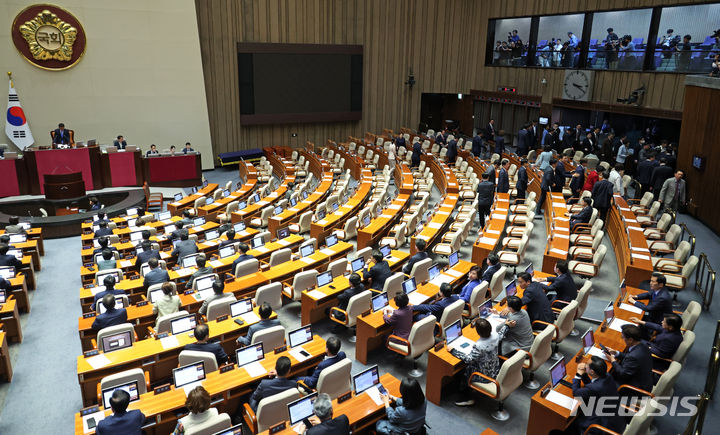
(292, 214)
(558, 226)
(247, 171)
(488, 241)
(10, 318)
(34, 233)
(19, 290)
(372, 331)
(318, 260)
(629, 243)
(5, 364)
(438, 223)
(177, 207)
(335, 220)
(381, 225)
(255, 209)
(226, 389)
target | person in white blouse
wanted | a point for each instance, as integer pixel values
(615, 178)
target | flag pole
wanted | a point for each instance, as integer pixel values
(10, 77)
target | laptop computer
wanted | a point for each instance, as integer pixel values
(324, 278)
(366, 379)
(282, 233)
(189, 376)
(307, 250)
(380, 301)
(241, 307)
(386, 251)
(455, 339)
(453, 259)
(131, 388)
(511, 289)
(226, 251)
(409, 288)
(249, 354)
(558, 373)
(301, 409)
(357, 264)
(182, 324)
(118, 341)
(331, 240)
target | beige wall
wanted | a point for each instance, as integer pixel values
(141, 76)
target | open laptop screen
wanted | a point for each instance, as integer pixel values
(188, 374)
(380, 301)
(249, 354)
(182, 324)
(115, 342)
(300, 336)
(302, 408)
(131, 388)
(367, 378)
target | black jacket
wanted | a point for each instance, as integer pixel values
(379, 273)
(564, 286)
(538, 305)
(491, 174)
(602, 194)
(503, 185)
(339, 425)
(659, 175)
(522, 179)
(486, 193)
(213, 347)
(548, 179)
(645, 170)
(634, 367)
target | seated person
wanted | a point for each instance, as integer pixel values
(401, 318)
(379, 273)
(94, 203)
(230, 234)
(537, 303)
(516, 331)
(108, 260)
(147, 253)
(202, 331)
(597, 383)
(323, 421)
(121, 421)
(668, 337)
(172, 150)
(265, 322)
(175, 235)
(104, 243)
(198, 403)
(188, 148)
(583, 217)
(225, 224)
(14, 226)
(5, 284)
(61, 135)
(153, 151)
(184, 247)
(168, 303)
(356, 287)
(103, 230)
(407, 415)
(8, 260)
(420, 244)
(473, 282)
(156, 274)
(333, 354)
(483, 358)
(563, 286)
(218, 293)
(112, 316)
(202, 269)
(277, 383)
(493, 263)
(242, 249)
(634, 366)
(120, 143)
(659, 299)
(109, 284)
(442, 300)
(187, 218)
(4, 238)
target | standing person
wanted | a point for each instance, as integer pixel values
(644, 172)
(578, 179)
(623, 152)
(523, 141)
(602, 195)
(543, 160)
(672, 193)
(521, 182)
(416, 152)
(615, 178)
(592, 178)
(611, 49)
(560, 176)
(477, 145)
(486, 196)
(684, 52)
(490, 130)
(661, 173)
(548, 181)
(500, 143)
(503, 185)
(668, 43)
(408, 413)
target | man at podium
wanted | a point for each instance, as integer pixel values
(61, 135)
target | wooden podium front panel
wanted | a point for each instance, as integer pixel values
(64, 186)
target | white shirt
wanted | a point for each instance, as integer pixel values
(616, 180)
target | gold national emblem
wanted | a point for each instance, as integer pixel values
(49, 37)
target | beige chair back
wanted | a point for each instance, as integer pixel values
(393, 285)
(496, 283)
(420, 270)
(664, 385)
(271, 338)
(112, 330)
(124, 377)
(640, 422)
(541, 349)
(211, 426)
(422, 336)
(684, 348)
(247, 267)
(357, 305)
(510, 376)
(220, 307)
(193, 356)
(303, 281)
(335, 380)
(582, 298)
(338, 267)
(477, 297)
(451, 313)
(691, 315)
(273, 410)
(270, 294)
(163, 323)
(565, 321)
(280, 256)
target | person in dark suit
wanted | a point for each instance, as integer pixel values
(242, 249)
(184, 247)
(104, 243)
(538, 305)
(486, 197)
(103, 230)
(201, 333)
(230, 234)
(61, 135)
(8, 260)
(503, 185)
(490, 171)
(584, 215)
(661, 173)
(416, 152)
(602, 193)
(175, 235)
(112, 316)
(379, 273)
(499, 143)
(548, 181)
(442, 301)
(493, 265)
(147, 253)
(644, 172)
(598, 384)
(187, 217)
(356, 287)
(278, 383)
(666, 340)
(156, 274)
(120, 143)
(634, 366)
(477, 146)
(659, 299)
(188, 148)
(490, 130)
(333, 354)
(568, 140)
(578, 179)
(523, 141)
(109, 284)
(121, 421)
(152, 151)
(588, 144)
(265, 311)
(560, 176)
(451, 151)
(323, 422)
(521, 182)
(420, 244)
(202, 270)
(563, 284)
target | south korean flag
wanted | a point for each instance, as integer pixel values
(17, 128)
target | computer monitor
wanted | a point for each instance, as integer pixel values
(178, 196)
(194, 190)
(588, 340)
(189, 260)
(409, 286)
(240, 226)
(18, 238)
(256, 197)
(205, 282)
(453, 331)
(3, 296)
(17, 253)
(119, 303)
(209, 201)
(380, 301)
(321, 215)
(307, 250)
(366, 220)
(557, 372)
(609, 312)
(367, 378)
(226, 193)
(198, 221)
(283, 232)
(277, 210)
(132, 222)
(170, 228)
(453, 259)
(335, 206)
(101, 276)
(529, 269)
(145, 268)
(235, 430)
(130, 387)
(138, 250)
(188, 374)
(136, 236)
(95, 219)
(301, 409)
(242, 205)
(300, 336)
(258, 242)
(357, 264)
(304, 194)
(155, 295)
(182, 324)
(324, 278)
(433, 271)
(484, 308)
(226, 251)
(241, 307)
(161, 216)
(131, 211)
(205, 183)
(386, 251)
(623, 290)
(212, 234)
(117, 341)
(331, 240)
(511, 289)
(25, 225)
(249, 354)
(293, 202)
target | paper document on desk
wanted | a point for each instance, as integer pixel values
(561, 236)
(562, 218)
(417, 298)
(558, 204)
(385, 216)
(498, 216)
(262, 249)
(496, 232)
(262, 203)
(442, 213)
(212, 242)
(292, 210)
(307, 260)
(462, 344)
(392, 259)
(487, 241)
(250, 317)
(243, 233)
(631, 308)
(255, 369)
(185, 271)
(441, 278)
(125, 263)
(299, 353)
(562, 400)
(169, 342)
(501, 210)
(167, 221)
(596, 351)
(98, 361)
(327, 251)
(394, 207)
(643, 250)
(495, 320)
(630, 227)
(617, 324)
(375, 395)
(321, 222)
(455, 273)
(283, 242)
(641, 257)
(216, 263)
(96, 417)
(558, 251)
(434, 225)
(316, 294)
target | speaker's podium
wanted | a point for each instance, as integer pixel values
(64, 186)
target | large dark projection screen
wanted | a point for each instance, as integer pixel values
(292, 83)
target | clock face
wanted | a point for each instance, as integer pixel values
(576, 85)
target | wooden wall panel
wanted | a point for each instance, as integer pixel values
(442, 41)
